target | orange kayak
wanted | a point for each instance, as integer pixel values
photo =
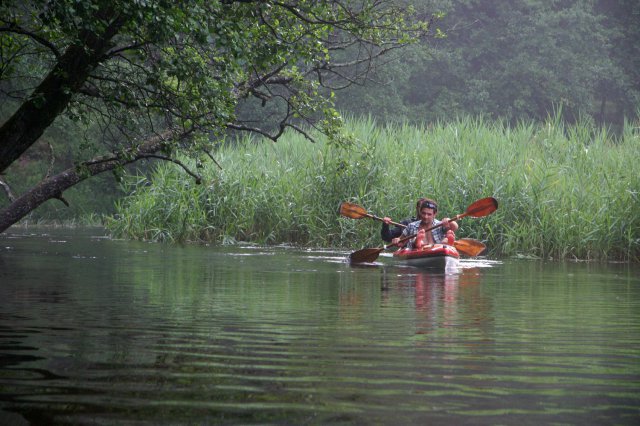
(435, 256)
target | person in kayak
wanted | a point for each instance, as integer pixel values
(443, 234)
(389, 234)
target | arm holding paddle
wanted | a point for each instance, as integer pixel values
(387, 233)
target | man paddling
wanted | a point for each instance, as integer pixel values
(427, 219)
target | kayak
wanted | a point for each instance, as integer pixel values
(436, 256)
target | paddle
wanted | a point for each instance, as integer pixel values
(466, 246)
(354, 211)
(480, 208)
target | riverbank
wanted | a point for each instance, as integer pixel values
(564, 192)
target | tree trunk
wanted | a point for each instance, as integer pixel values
(54, 186)
(53, 94)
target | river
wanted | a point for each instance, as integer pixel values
(102, 331)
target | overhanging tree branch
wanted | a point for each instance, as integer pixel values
(54, 186)
(13, 28)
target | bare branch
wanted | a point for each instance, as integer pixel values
(14, 28)
(257, 130)
(212, 159)
(197, 178)
(52, 160)
(7, 190)
(301, 131)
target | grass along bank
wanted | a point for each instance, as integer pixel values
(564, 192)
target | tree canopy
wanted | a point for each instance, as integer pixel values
(158, 77)
(517, 59)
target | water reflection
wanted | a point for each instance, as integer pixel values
(440, 300)
(98, 331)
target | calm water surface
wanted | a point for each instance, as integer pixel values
(96, 331)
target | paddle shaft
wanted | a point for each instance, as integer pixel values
(382, 220)
(461, 215)
(408, 237)
(480, 208)
(401, 225)
(457, 217)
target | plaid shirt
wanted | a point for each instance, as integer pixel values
(439, 234)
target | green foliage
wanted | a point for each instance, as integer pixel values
(272, 193)
(518, 60)
(128, 71)
(192, 62)
(564, 192)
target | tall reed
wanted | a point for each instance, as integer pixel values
(564, 192)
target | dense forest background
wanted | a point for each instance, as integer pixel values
(514, 60)
(510, 61)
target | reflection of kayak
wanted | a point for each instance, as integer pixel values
(436, 256)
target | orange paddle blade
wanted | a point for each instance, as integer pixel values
(366, 255)
(469, 246)
(352, 211)
(482, 207)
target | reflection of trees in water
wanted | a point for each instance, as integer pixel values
(441, 301)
